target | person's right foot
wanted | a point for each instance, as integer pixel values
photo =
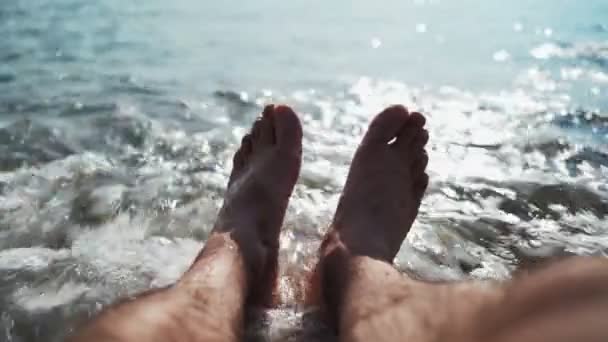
(384, 187)
(265, 170)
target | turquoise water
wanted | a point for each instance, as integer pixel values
(118, 121)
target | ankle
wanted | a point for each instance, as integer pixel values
(331, 243)
(329, 279)
(249, 255)
(356, 244)
(258, 252)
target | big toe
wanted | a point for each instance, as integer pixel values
(287, 128)
(386, 125)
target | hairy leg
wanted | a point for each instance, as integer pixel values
(205, 305)
(565, 301)
(238, 264)
(359, 288)
(367, 299)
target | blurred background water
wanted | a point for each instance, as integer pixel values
(118, 120)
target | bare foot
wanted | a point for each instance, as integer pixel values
(379, 203)
(265, 170)
(384, 188)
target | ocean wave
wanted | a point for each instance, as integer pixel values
(594, 52)
(508, 187)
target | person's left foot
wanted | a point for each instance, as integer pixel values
(265, 170)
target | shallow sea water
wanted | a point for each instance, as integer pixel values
(118, 121)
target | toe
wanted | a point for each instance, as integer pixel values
(238, 164)
(267, 135)
(386, 125)
(246, 148)
(421, 139)
(287, 128)
(256, 133)
(410, 131)
(420, 164)
(420, 186)
(417, 119)
(239, 161)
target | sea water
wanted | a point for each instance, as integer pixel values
(118, 121)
